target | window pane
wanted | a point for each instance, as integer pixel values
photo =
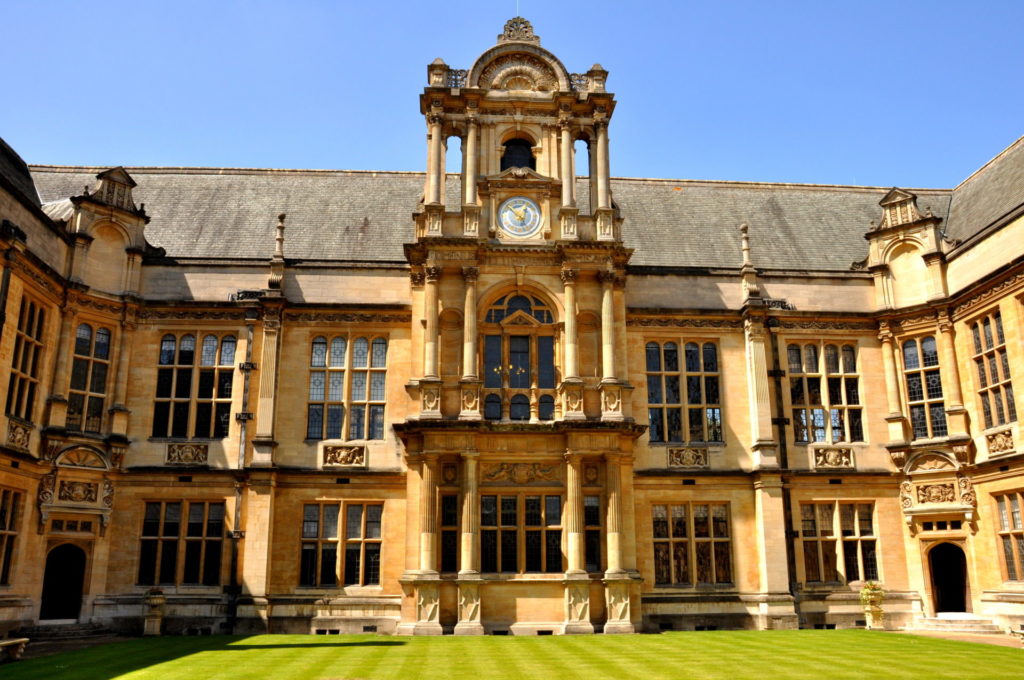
(831, 359)
(183, 383)
(934, 382)
(703, 562)
(338, 352)
(723, 564)
(330, 526)
(870, 560)
(672, 393)
(929, 352)
(371, 577)
(83, 340)
(662, 564)
(849, 359)
(373, 518)
(720, 521)
(910, 358)
(710, 358)
(553, 510)
(167, 347)
(187, 350)
(377, 386)
(492, 361)
(546, 410)
(335, 420)
(508, 510)
(360, 349)
(307, 565)
(205, 388)
(937, 413)
(354, 522)
(675, 424)
(692, 352)
(592, 511)
(489, 510)
(533, 550)
(509, 550)
(318, 356)
(553, 551)
(352, 552)
(193, 552)
(492, 407)
(379, 353)
(654, 389)
(215, 520)
(793, 358)
(80, 374)
(227, 350)
(519, 361)
(316, 386)
(179, 425)
(701, 527)
(850, 561)
(315, 421)
(679, 527)
(519, 408)
(545, 362)
(532, 513)
(656, 431)
(310, 521)
(208, 355)
(671, 351)
(359, 386)
(653, 356)
(659, 517)
(810, 358)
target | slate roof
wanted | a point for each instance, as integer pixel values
(366, 216)
(16, 173)
(988, 195)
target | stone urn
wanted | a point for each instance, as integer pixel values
(154, 616)
(871, 597)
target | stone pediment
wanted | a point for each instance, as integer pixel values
(528, 174)
(520, 318)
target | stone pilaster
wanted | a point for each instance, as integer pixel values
(577, 583)
(895, 421)
(571, 389)
(950, 371)
(776, 609)
(118, 410)
(263, 444)
(58, 387)
(763, 448)
(469, 575)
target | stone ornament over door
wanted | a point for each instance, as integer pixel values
(519, 473)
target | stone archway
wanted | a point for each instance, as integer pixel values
(948, 566)
(62, 583)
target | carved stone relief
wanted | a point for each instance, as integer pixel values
(427, 603)
(345, 455)
(906, 495)
(108, 493)
(967, 495)
(999, 442)
(577, 602)
(573, 399)
(450, 473)
(18, 435)
(47, 484)
(82, 458)
(430, 398)
(833, 457)
(519, 473)
(187, 454)
(930, 463)
(590, 474)
(469, 602)
(936, 493)
(688, 458)
(618, 602)
(77, 492)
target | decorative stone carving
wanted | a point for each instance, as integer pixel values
(117, 456)
(456, 77)
(427, 603)
(663, 322)
(590, 474)
(833, 457)
(611, 400)
(108, 493)
(345, 455)
(987, 295)
(931, 463)
(962, 452)
(469, 603)
(617, 600)
(470, 399)
(577, 602)
(999, 442)
(430, 398)
(518, 29)
(47, 484)
(936, 493)
(519, 473)
(450, 473)
(573, 400)
(18, 435)
(187, 454)
(347, 317)
(189, 315)
(82, 458)
(77, 492)
(687, 458)
(417, 278)
(569, 275)
(898, 457)
(967, 495)
(906, 495)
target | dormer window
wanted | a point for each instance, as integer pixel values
(518, 154)
(519, 359)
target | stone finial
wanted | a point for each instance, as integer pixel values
(437, 73)
(745, 241)
(518, 29)
(279, 248)
(751, 287)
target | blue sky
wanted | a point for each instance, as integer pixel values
(916, 94)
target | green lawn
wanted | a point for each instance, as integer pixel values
(732, 655)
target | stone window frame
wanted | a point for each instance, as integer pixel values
(918, 370)
(10, 517)
(661, 375)
(335, 410)
(87, 383)
(1010, 506)
(188, 404)
(837, 415)
(852, 544)
(988, 342)
(331, 532)
(505, 396)
(550, 552)
(26, 360)
(687, 540)
(204, 549)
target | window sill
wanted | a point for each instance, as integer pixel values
(186, 440)
(695, 588)
(691, 445)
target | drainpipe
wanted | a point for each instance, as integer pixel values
(234, 588)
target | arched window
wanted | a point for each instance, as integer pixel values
(519, 356)
(518, 154)
(492, 407)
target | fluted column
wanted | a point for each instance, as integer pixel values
(472, 130)
(568, 181)
(59, 380)
(892, 389)
(434, 168)
(469, 332)
(571, 368)
(470, 515)
(428, 513)
(433, 276)
(955, 411)
(607, 326)
(574, 512)
(613, 472)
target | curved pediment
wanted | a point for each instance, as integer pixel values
(518, 63)
(930, 462)
(80, 457)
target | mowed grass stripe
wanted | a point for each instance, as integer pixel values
(725, 655)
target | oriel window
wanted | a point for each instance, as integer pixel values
(995, 390)
(26, 360)
(519, 359)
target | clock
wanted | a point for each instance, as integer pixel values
(519, 216)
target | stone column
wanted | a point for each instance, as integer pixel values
(469, 331)
(607, 326)
(571, 368)
(471, 172)
(430, 339)
(568, 180)
(894, 420)
(950, 371)
(603, 167)
(435, 171)
(616, 579)
(119, 411)
(469, 576)
(577, 584)
(428, 513)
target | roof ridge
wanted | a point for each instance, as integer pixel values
(199, 170)
(990, 162)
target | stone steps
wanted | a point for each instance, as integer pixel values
(959, 624)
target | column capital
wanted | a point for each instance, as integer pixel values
(470, 455)
(432, 273)
(569, 276)
(470, 274)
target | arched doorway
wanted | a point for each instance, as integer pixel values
(62, 583)
(949, 578)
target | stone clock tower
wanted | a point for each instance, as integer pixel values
(520, 454)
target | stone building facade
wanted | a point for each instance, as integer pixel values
(526, 398)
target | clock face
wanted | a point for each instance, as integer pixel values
(519, 216)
